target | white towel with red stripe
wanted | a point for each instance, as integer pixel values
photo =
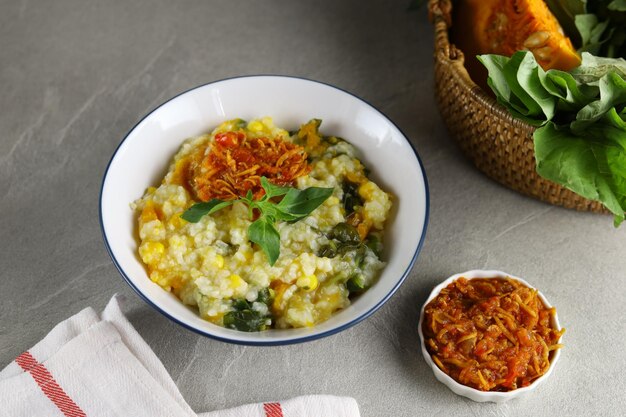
(98, 365)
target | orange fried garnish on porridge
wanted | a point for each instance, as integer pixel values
(234, 163)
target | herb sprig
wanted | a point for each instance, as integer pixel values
(295, 205)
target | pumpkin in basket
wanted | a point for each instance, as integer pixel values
(506, 26)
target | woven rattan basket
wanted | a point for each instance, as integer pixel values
(499, 145)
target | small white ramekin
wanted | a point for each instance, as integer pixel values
(464, 390)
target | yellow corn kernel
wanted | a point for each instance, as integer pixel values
(238, 285)
(218, 261)
(236, 281)
(176, 221)
(155, 276)
(367, 189)
(151, 251)
(332, 200)
(307, 282)
(161, 279)
(151, 190)
(256, 126)
(268, 122)
(157, 247)
(216, 319)
(356, 178)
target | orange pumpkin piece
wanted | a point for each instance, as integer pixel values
(506, 26)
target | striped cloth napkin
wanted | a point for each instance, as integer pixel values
(98, 365)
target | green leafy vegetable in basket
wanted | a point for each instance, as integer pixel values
(598, 26)
(580, 141)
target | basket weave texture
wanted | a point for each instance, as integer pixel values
(498, 144)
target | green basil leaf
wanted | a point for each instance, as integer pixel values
(301, 203)
(194, 213)
(267, 208)
(272, 190)
(263, 233)
(271, 211)
(285, 216)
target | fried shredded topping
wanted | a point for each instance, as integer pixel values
(234, 164)
(490, 334)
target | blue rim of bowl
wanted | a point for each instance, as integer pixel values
(270, 342)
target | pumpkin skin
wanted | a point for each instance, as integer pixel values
(506, 26)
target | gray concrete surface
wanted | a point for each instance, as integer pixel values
(76, 75)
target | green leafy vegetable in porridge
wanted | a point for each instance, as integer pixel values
(247, 319)
(259, 228)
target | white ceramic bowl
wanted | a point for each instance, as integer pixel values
(464, 390)
(143, 156)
